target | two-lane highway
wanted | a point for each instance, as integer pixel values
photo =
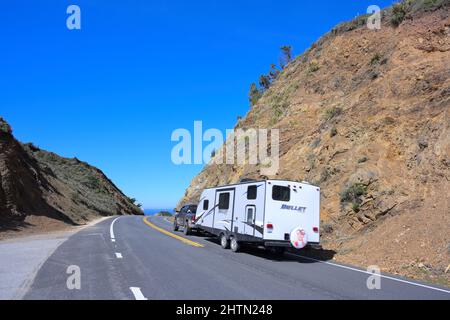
(135, 258)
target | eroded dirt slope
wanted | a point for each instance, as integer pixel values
(37, 187)
(364, 114)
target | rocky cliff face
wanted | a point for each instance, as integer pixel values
(364, 114)
(35, 182)
(21, 183)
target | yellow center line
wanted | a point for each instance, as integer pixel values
(170, 234)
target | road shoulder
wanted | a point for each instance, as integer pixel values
(22, 257)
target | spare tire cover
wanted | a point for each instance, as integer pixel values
(299, 238)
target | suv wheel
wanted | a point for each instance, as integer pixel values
(234, 244)
(224, 243)
(175, 226)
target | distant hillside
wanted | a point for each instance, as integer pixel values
(365, 114)
(163, 214)
(35, 182)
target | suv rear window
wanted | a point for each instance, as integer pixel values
(193, 209)
(280, 193)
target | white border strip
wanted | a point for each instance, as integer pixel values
(137, 293)
(111, 230)
(369, 273)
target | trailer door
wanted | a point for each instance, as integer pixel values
(224, 212)
(250, 220)
(250, 209)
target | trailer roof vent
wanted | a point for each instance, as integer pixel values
(247, 180)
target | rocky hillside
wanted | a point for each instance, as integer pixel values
(365, 114)
(35, 182)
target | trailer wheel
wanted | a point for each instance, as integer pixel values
(175, 226)
(277, 251)
(235, 245)
(224, 243)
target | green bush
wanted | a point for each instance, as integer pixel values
(313, 67)
(274, 72)
(354, 193)
(277, 111)
(331, 113)
(254, 94)
(92, 182)
(333, 132)
(286, 56)
(264, 82)
(375, 59)
(4, 126)
(398, 14)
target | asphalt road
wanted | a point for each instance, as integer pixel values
(126, 258)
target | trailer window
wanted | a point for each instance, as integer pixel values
(252, 192)
(280, 193)
(250, 215)
(205, 205)
(224, 201)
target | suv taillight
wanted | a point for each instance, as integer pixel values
(193, 218)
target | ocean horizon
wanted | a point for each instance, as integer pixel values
(151, 212)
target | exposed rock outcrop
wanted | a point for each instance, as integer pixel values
(365, 114)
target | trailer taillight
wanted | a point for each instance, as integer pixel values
(316, 230)
(269, 226)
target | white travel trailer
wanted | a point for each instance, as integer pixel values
(274, 213)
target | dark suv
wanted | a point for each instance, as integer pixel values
(185, 218)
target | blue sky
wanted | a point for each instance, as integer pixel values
(112, 93)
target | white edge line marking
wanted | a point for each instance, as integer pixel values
(111, 230)
(119, 255)
(369, 273)
(137, 293)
